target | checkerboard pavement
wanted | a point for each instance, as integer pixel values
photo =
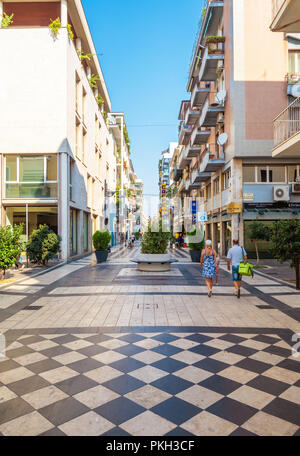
(154, 383)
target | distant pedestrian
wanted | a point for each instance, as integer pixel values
(208, 264)
(235, 256)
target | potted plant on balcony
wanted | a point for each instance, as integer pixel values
(101, 241)
(213, 42)
(196, 244)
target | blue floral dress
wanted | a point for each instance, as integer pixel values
(209, 266)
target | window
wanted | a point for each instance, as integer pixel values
(227, 179)
(71, 177)
(277, 174)
(78, 94)
(89, 191)
(293, 173)
(294, 61)
(208, 191)
(85, 231)
(84, 138)
(262, 174)
(31, 176)
(84, 96)
(249, 174)
(216, 186)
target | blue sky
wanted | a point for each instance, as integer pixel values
(146, 49)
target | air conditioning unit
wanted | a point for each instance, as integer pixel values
(296, 187)
(281, 193)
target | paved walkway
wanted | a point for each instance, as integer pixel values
(107, 350)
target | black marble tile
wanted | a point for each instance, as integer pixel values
(253, 365)
(131, 338)
(16, 352)
(129, 350)
(200, 338)
(286, 410)
(127, 365)
(241, 432)
(266, 339)
(204, 350)
(85, 365)
(220, 384)
(284, 352)
(92, 350)
(31, 340)
(28, 385)
(211, 365)
(169, 365)
(124, 384)
(179, 432)
(64, 339)
(232, 338)
(290, 364)
(76, 385)
(55, 351)
(54, 432)
(8, 365)
(9, 410)
(165, 337)
(241, 350)
(167, 350)
(176, 410)
(119, 410)
(232, 410)
(96, 339)
(62, 411)
(268, 385)
(172, 384)
(116, 432)
(44, 366)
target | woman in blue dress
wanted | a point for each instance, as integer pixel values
(208, 264)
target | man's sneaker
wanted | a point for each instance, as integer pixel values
(210, 294)
(239, 294)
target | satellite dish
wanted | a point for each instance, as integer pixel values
(221, 96)
(222, 139)
(295, 90)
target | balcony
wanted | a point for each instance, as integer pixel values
(211, 110)
(212, 160)
(192, 115)
(198, 177)
(183, 159)
(286, 16)
(213, 59)
(212, 13)
(287, 132)
(192, 152)
(177, 174)
(199, 94)
(200, 136)
(184, 134)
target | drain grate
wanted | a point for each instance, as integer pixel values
(33, 308)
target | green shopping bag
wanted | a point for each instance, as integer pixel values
(245, 268)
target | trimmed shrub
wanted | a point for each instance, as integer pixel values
(155, 242)
(196, 245)
(43, 245)
(101, 240)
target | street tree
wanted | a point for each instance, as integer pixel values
(10, 246)
(285, 243)
(258, 232)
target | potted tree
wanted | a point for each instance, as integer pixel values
(196, 244)
(101, 241)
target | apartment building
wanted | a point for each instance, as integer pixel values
(238, 84)
(58, 158)
(286, 21)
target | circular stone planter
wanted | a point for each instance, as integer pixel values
(101, 256)
(154, 263)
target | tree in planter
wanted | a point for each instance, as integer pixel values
(258, 232)
(155, 242)
(196, 244)
(10, 246)
(101, 240)
(43, 245)
(285, 243)
(55, 27)
(7, 20)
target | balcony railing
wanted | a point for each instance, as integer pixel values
(287, 124)
(31, 190)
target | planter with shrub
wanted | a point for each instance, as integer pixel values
(196, 247)
(101, 241)
(43, 245)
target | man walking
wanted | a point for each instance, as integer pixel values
(235, 256)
